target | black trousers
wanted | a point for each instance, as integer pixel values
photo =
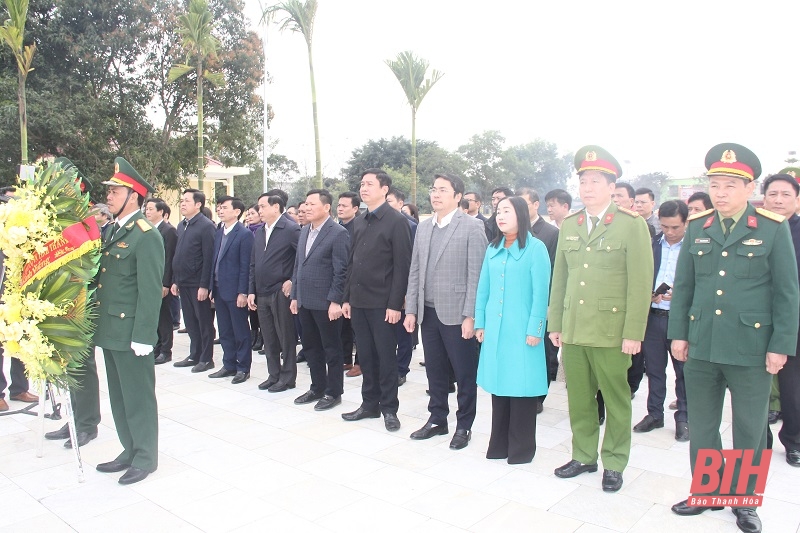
(165, 331)
(322, 346)
(445, 348)
(234, 335)
(513, 429)
(378, 359)
(789, 383)
(175, 309)
(348, 341)
(254, 325)
(280, 336)
(656, 352)
(404, 346)
(199, 322)
(19, 383)
(551, 362)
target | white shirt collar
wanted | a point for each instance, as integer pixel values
(317, 228)
(227, 230)
(445, 219)
(122, 221)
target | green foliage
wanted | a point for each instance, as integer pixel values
(655, 181)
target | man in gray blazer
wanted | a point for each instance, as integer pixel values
(320, 268)
(442, 284)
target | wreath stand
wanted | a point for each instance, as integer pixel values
(47, 390)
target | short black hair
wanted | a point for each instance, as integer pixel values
(559, 195)
(273, 199)
(383, 178)
(455, 182)
(324, 196)
(672, 208)
(703, 197)
(278, 192)
(628, 187)
(476, 194)
(504, 190)
(464, 204)
(523, 221)
(159, 205)
(397, 193)
(645, 190)
(197, 196)
(236, 203)
(781, 177)
(529, 192)
(355, 199)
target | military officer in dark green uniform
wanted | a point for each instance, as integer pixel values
(734, 313)
(129, 301)
(85, 396)
(598, 314)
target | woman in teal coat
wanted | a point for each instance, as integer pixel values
(510, 314)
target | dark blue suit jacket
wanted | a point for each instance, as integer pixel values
(319, 276)
(233, 262)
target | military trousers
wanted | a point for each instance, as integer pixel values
(85, 395)
(706, 383)
(588, 370)
(132, 391)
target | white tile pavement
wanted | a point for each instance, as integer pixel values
(234, 458)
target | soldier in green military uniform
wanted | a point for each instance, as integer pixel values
(129, 300)
(598, 314)
(734, 313)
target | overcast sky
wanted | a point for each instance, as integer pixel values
(655, 83)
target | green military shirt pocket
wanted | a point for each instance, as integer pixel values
(755, 333)
(612, 313)
(122, 311)
(571, 254)
(694, 324)
(751, 261)
(701, 256)
(607, 253)
(120, 262)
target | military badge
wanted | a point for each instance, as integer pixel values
(608, 218)
(728, 156)
(752, 242)
(581, 219)
(571, 237)
(752, 222)
(122, 245)
(591, 155)
(708, 222)
(129, 226)
(702, 241)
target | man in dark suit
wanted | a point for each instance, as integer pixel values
(233, 246)
(380, 256)
(103, 217)
(155, 210)
(475, 201)
(317, 291)
(491, 223)
(442, 284)
(548, 234)
(667, 247)
(346, 212)
(558, 203)
(191, 272)
(270, 279)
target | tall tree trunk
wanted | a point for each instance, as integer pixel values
(23, 117)
(414, 156)
(200, 159)
(318, 181)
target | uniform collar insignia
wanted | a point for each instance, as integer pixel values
(752, 242)
(129, 225)
(709, 221)
(608, 218)
(581, 219)
(752, 222)
(122, 244)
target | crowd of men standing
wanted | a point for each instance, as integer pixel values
(374, 282)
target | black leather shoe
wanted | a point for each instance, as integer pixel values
(202, 367)
(460, 439)
(792, 457)
(327, 402)
(574, 468)
(112, 466)
(429, 430)
(774, 416)
(539, 407)
(280, 387)
(221, 373)
(182, 330)
(681, 431)
(262, 351)
(240, 377)
(301, 358)
(747, 520)
(267, 384)
(83, 437)
(216, 341)
(401, 380)
(683, 509)
(184, 362)
(391, 421)
(612, 480)
(360, 413)
(59, 434)
(648, 423)
(133, 475)
(307, 397)
(162, 358)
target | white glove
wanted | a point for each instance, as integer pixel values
(141, 349)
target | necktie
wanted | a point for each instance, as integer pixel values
(114, 229)
(595, 221)
(727, 222)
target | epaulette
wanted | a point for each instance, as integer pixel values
(628, 212)
(574, 213)
(701, 214)
(144, 225)
(775, 217)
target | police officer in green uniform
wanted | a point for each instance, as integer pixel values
(85, 396)
(129, 301)
(598, 314)
(734, 313)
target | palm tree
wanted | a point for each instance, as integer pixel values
(195, 27)
(410, 71)
(13, 33)
(299, 17)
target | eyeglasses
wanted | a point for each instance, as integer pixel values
(440, 190)
(470, 200)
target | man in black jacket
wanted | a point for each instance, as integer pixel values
(191, 274)
(377, 276)
(156, 212)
